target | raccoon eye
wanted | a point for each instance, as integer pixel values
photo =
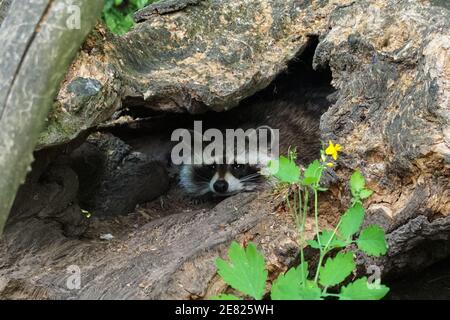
(212, 167)
(238, 166)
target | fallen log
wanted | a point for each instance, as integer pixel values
(390, 65)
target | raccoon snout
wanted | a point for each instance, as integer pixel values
(220, 186)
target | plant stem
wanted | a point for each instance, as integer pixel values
(294, 209)
(324, 251)
(302, 218)
(316, 214)
(288, 202)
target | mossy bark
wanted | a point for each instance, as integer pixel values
(37, 47)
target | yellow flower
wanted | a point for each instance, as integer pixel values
(333, 150)
(330, 164)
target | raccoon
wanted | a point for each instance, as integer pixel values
(297, 119)
(220, 179)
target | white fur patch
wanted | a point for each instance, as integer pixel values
(234, 184)
(188, 183)
(213, 180)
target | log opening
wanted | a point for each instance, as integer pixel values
(390, 114)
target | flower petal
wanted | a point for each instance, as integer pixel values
(330, 149)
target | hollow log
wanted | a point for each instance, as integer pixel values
(390, 65)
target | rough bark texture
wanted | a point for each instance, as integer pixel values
(37, 47)
(171, 257)
(207, 56)
(390, 62)
(4, 7)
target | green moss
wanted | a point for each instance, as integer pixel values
(58, 130)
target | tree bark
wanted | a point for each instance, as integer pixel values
(390, 65)
(4, 7)
(37, 47)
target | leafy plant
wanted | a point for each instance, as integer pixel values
(118, 14)
(246, 270)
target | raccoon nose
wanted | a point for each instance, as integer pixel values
(220, 186)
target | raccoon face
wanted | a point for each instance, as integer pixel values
(222, 174)
(219, 179)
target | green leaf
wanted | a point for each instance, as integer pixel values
(125, 25)
(310, 292)
(336, 269)
(357, 183)
(351, 221)
(246, 270)
(365, 193)
(313, 244)
(118, 14)
(288, 286)
(372, 241)
(285, 170)
(361, 290)
(326, 235)
(313, 173)
(225, 297)
(324, 238)
(139, 3)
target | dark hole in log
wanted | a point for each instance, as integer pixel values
(298, 80)
(150, 132)
(118, 172)
(126, 165)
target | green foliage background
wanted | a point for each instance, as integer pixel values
(118, 14)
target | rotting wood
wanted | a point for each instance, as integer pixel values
(38, 44)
